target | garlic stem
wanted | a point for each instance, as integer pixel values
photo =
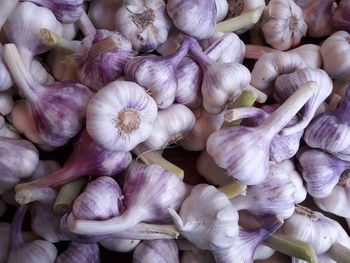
(339, 253)
(19, 72)
(246, 99)
(153, 157)
(261, 96)
(292, 247)
(233, 189)
(7, 6)
(256, 51)
(243, 113)
(86, 26)
(241, 21)
(35, 193)
(52, 40)
(70, 69)
(284, 113)
(66, 196)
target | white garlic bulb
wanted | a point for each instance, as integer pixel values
(283, 24)
(120, 116)
(310, 53)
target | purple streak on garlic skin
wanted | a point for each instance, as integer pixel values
(195, 18)
(274, 196)
(340, 18)
(222, 82)
(330, 130)
(247, 242)
(97, 70)
(148, 191)
(157, 74)
(207, 219)
(87, 159)
(321, 171)
(66, 11)
(287, 84)
(80, 253)
(243, 151)
(58, 109)
(160, 251)
(18, 160)
(23, 26)
(5, 77)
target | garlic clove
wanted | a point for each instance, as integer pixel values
(283, 24)
(119, 245)
(170, 126)
(161, 251)
(221, 9)
(125, 111)
(214, 227)
(195, 18)
(77, 252)
(144, 23)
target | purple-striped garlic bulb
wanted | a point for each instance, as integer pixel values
(126, 113)
(80, 253)
(157, 74)
(102, 13)
(160, 251)
(101, 58)
(244, 151)
(193, 17)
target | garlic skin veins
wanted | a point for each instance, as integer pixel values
(161, 251)
(209, 227)
(78, 252)
(193, 17)
(283, 24)
(274, 196)
(170, 126)
(144, 23)
(29, 18)
(126, 113)
(335, 51)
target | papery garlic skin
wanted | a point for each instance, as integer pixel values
(335, 51)
(77, 252)
(25, 19)
(101, 13)
(170, 126)
(283, 24)
(221, 9)
(193, 17)
(272, 65)
(145, 23)
(126, 113)
(119, 245)
(160, 251)
(208, 226)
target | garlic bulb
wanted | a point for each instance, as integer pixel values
(171, 44)
(144, 23)
(330, 130)
(321, 171)
(18, 160)
(272, 65)
(170, 126)
(274, 196)
(193, 17)
(32, 252)
(102, 13)
(340, 17)
(43, 168)
(80, 253)
(286, 84)
(243, 151)
(220, 84)
(334, 51)
(283, 24)
(126, 113)
(87, 159)
(190, 256)
(58, 109)
(157, 74)
(101, 58)
(156, 191)
(317, 17)
(206, 123)
(119, 245)
(310, 53)
(160, 251)
(5, 77)
(66, 11)
(8, 130)
(221, 9)
(23, 26)
(207, 219)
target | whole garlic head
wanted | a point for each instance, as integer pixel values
(283, 24)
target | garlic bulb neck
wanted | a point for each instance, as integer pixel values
(305, 211)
